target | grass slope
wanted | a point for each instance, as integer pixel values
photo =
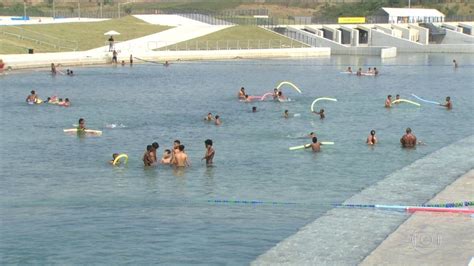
(88, 35)
(237, 37)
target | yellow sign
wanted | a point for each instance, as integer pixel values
(350, 20)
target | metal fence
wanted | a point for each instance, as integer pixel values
(226, 45)
(39, 38)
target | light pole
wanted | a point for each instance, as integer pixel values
(79, 8)
(409, 3)
(24, 9)
(54, 10)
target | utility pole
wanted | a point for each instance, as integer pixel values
(54, 10)
(101, 3)
(79, 8)
(409, 3)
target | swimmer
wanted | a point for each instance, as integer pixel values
(241, 94)
(217, 120)
(155, 147)
(115, 155)
(82, 125)
(369, 71)
(397, 97)
(64, 103)
(359, 72)
(166, 64)
(148, 156)
(254, 109)
(209, 117)
(448, 104)
(275, 94)
(123, 62)
(280, 96)
(286, 114)
(166, 159)
(371, 139)
(209, 156)
(312, 135)
(247, 99)
(181, 159)
(349, 69)
(315, 146)
(388, 102)
(408, 140)
(320, 113)
(455, 63)
(175, 148)
(32, 98)
(376, 72)
(48, 100)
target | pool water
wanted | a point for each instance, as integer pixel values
(62, 203)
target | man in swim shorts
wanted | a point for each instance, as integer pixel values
(241, 94)
(448, 104)
(181, 158)
(148, 156)
(408, 140)
(349, 69)
(32, 98)
(209, 156)
(175, 148)
(376, 72)
(315, 146)
(275, 94)
(286, 114)
(388, 102)
(371, 139)
(455, 63)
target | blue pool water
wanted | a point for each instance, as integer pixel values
(62, 203)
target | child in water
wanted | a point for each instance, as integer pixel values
(114, 156)
(166, 159)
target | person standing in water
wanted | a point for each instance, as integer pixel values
(254, 109)
(349, 69)
(388, 102)
(148, 156)
(181, 159)
(275, 94)
(53, 69)
(166, 159)
(315, 146)
(155, 147)
(286, 114)
(372, 139)
(32, 98)
(320, 113)
(241, 94)
(209, 156)
(209, 117)
(397, 97)
(82, 125)
(217, 120)
(408, 140)
(455, 64)
(448, 104)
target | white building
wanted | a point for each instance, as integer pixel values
(408, 15)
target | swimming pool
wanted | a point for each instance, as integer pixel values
(62, 203)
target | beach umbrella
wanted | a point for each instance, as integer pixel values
(112, 32)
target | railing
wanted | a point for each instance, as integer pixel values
(39, 38)
(226, 45)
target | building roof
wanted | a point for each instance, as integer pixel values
(412, 12)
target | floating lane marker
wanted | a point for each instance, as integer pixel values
(290, 84)
(307, 145)
(426, 101)
(406, 101)
(321, 99)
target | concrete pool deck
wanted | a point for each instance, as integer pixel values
(432, 238)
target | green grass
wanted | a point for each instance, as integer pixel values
(84, 35)
(237, 37)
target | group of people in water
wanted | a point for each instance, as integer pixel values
(359, 72)
(389, 102)
(34, 99)
(176, 156)
(55, 71)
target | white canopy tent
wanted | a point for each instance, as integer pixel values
(412, 15)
